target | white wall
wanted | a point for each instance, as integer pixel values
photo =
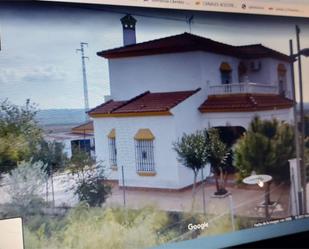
(210, 68)
(168, 72)
(180, 71)
(163, 129)
(102, 127)
(244, 118)
(188, 119)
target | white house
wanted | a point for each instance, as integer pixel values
(79, 137)
(163, 88)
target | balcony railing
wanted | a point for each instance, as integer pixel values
(247, 87)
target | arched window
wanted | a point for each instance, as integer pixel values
(226, 73)
(144, 152)
(242, 71)
(112, 149)
(281, 69)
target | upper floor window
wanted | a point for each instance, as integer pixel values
(242, 72)
(226, 73)
(112, 149)
(144, 151)
(282, 82)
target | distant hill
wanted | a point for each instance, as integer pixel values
(60, 116)
(50, 117)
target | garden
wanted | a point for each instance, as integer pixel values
(28, 162)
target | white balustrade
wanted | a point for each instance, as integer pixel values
(248, 87)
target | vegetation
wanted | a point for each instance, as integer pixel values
(52, 154)
(192, 153)
(97, 228)
(19, 134)
(202, 147)
(265, 148)
(24, 185)
(118, 228)
(217, 155)
(90, 179)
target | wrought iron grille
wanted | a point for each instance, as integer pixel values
(112, 152)
(144, 155)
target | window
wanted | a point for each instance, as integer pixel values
(144, 152)
(226, 73)
(81, 145)
(112, 149)
(282, 79)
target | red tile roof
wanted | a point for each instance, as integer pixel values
(245, 103)
(86, 128)
(145, 103)
(188, 42)
(106, 107)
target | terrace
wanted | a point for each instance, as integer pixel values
(244, 87)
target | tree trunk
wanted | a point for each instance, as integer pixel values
(221, 179)
(217, 182)
(53, 192)
(267, 193)
(224, 180)
(193, 190)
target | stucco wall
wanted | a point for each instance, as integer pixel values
(169, 72)
(164, 156)
(244, 118)
(181, 71)
(102, 127)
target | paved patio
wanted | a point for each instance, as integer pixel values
(245, 200)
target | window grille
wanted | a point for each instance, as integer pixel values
(144, 155)
(112, 152)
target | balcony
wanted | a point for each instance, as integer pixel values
(247, 87)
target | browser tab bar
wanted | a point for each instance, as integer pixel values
(278, 8)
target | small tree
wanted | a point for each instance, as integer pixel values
(24, 184)
(265, 148)
(192, 153)
(19, 134)
(53, 156)
(217, 155)
(90, 179)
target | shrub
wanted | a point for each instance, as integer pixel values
(24, 185)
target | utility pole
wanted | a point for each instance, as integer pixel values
(296, 132)
(189, 21)
(83, 57)
(302, 121)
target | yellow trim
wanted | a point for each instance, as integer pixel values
(281, 68)
(144, 134)
(112, 134)
(146, 173)
(86, 131)
(225, 67)
(114, 168)
(132, 114)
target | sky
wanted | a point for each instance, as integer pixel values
(38, 58)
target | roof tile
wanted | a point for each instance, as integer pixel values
(188, 42)
(244, 103)
(106, 107)
(146, 102)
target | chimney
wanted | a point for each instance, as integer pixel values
(128, 26)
